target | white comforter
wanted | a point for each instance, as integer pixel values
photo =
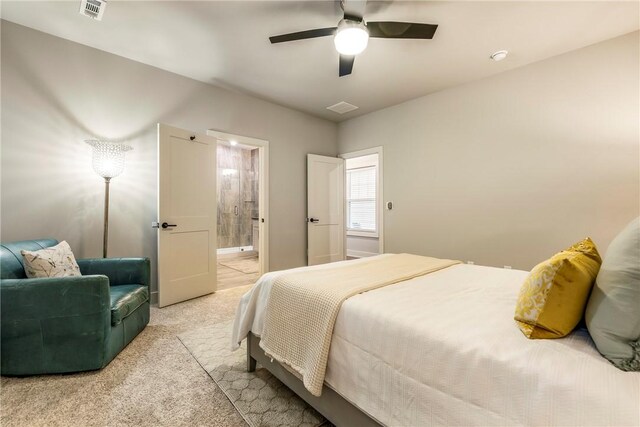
(442, 349)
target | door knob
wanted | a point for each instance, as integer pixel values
(314, 220)
(165, 225)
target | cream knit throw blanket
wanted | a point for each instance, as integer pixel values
(303, 307)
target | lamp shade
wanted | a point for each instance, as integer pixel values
(108, 157)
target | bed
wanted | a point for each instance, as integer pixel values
(442, 349)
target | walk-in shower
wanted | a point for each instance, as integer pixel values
(237, 196)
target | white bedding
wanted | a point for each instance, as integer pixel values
(442, 349)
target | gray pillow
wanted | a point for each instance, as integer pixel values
(613, 311)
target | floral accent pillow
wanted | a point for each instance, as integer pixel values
(56, 261)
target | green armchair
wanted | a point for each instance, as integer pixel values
(69, 324)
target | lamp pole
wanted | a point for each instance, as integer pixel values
(108, 162)
(105, 239)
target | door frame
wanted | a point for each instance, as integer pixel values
(263, 188)
(379, 191)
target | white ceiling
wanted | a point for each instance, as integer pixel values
(226, 43)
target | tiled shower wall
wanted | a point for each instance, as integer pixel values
(237, 186)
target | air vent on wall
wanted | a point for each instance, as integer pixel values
(93, 8)
(342, 107)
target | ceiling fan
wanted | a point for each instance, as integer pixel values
(351, 36)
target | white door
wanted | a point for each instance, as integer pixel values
(325, 209)
(186, 215)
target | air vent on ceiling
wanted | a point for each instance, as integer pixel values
(93, 8)
(342, 107)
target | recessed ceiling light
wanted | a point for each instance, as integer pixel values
(499, 55)
(233, 142)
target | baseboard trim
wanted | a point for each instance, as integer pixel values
(154, 298)
(360, 254)
(236, 250)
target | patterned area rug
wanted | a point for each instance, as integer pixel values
(247, 266)
(259, 397)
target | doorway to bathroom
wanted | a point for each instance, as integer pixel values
(241, 193)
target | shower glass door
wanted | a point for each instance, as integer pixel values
(237, 197)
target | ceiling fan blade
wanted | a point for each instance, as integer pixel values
(401, 30)
(301, 35)
(346, 64)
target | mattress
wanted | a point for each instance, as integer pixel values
(443, 349)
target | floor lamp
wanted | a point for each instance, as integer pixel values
(108, 162)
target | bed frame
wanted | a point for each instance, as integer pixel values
(330, 404)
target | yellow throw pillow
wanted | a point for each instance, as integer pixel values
(554, 295)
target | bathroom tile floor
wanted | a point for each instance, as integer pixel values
(230, 278)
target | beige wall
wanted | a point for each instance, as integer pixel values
(506, 170)
(510, 169)
(56, 93)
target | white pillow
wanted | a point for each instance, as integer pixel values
(56, 261)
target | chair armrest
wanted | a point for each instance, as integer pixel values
(120, 271)
(57, 297)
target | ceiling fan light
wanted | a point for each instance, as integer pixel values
(351, 38)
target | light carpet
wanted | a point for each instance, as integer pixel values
(260, 397)
(152, 382)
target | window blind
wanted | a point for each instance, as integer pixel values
(361, 199)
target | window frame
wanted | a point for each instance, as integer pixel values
(359, 231)
(382, 211)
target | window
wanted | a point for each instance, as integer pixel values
(361, 199)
